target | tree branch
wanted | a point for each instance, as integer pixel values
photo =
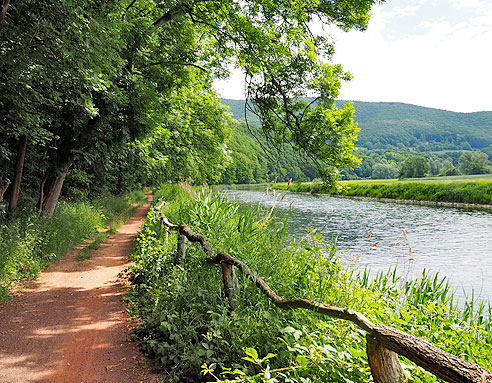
(170, 63)
(127, 8)
(169, 16)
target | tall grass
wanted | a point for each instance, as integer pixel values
(28, 243)
(188, 325)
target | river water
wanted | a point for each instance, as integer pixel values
(456, 243)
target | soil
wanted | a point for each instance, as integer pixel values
(69, 326)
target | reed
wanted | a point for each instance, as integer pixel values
(188, 326)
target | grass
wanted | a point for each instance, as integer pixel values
(29, 243)
(456, 189)
(436, 179)
(191, 329)
(100, 237)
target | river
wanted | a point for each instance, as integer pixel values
(456, 243)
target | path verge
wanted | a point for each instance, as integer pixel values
(69, 325)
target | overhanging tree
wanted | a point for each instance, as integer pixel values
(91, 76)
(283, 60)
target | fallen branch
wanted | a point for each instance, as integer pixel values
(188, 233)
(424, 354)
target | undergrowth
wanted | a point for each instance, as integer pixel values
(29, 243)
(196, 334)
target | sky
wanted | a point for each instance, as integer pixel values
(433, 53)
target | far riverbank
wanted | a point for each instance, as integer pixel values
(459, 192)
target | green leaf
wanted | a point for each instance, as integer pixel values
(302, 360)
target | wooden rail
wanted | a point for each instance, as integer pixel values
(384, 343)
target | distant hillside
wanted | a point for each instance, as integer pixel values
(404, 127)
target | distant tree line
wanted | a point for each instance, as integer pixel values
(393, 134)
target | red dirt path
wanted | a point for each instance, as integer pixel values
(68, 326)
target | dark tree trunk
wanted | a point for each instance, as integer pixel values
(3, 11)
(41, 194)
(53, 190)
(181, 253)
(19, 168)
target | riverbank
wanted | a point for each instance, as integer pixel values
(190, 328)
(449, 192)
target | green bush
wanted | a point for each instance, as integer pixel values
(189, 327)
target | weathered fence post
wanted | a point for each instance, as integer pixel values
(231, 286)
(180, 254)
(385, 365)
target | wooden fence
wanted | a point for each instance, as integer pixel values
(384, 343)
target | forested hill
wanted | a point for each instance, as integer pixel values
(393, 126)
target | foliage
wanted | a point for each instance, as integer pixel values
(190, 328)
(402, 127)
(392, 132)
(414, 167)
(474, 163)
(30, 243)
(252, 164)
(384, 171)
(128, 87)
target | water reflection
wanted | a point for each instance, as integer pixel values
(454, 242)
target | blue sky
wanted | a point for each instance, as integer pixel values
(435, 53)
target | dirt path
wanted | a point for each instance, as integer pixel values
(68, 326)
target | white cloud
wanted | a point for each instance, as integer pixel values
(433, 53)
(448, 67)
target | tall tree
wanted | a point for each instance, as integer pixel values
(84, 78)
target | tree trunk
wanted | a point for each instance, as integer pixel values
(181, 253)
(231, 286)
(41, 194)
(4, 185)
(3, 11)
(19, 168)
(54, 189)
